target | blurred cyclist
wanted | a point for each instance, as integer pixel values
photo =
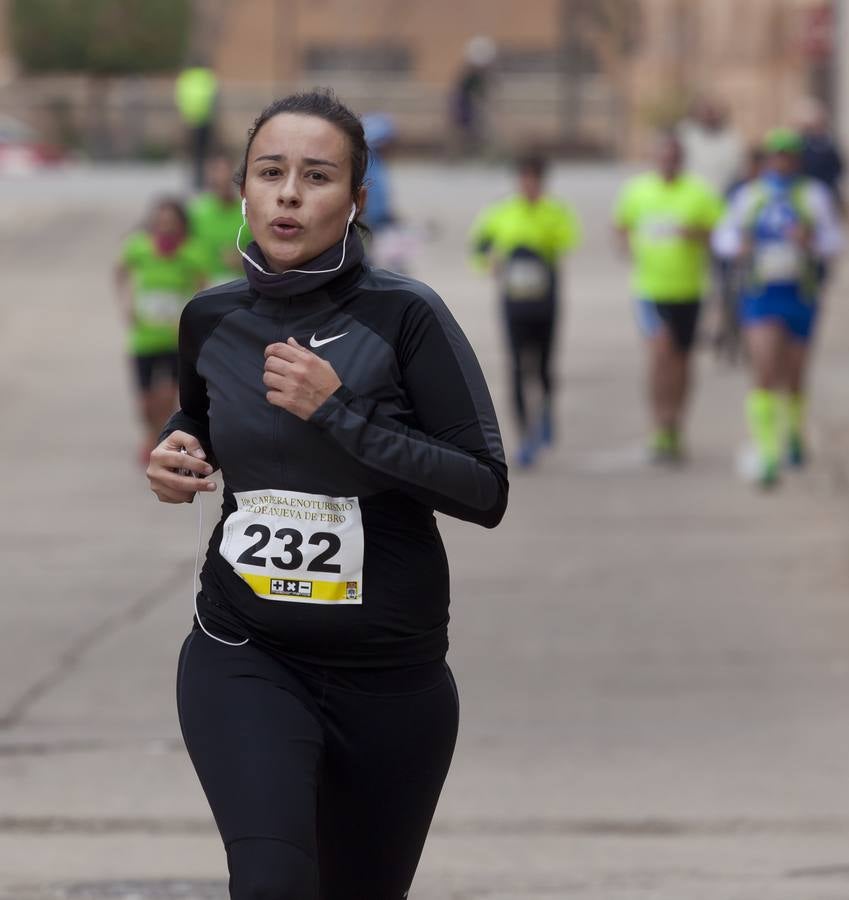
(785, 226)
(521, 240)
(159, 270)
(664, 219)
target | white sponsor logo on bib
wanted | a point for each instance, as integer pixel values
(660, 228)
(778, 262)
(296, 547)
(526, 279)
(159, 307)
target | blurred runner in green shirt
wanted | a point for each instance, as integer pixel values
(215, 217)
(664, 219)
(521, 239)
(159, 270)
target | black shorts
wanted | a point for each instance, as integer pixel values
(154, 367)
(680, 317)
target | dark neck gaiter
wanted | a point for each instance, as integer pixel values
(290, 284)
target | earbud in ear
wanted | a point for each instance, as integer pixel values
(244, 206)
(353, 213)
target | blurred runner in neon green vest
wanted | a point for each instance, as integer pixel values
(664, 219)
(215, 218)
(159, 270)
(195, 93)
(522, 239)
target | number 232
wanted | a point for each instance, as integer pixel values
(292, 542)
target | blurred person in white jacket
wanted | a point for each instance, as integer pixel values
(713, 149)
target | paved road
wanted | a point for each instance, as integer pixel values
(653, 665)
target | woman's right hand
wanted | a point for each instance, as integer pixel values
(167, 464)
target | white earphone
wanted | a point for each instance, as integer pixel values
(351, 216)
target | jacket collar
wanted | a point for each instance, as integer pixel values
(318, 272)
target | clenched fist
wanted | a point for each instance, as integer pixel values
(297, 379)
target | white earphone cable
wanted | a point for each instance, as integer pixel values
(195, 577)
(259, 268)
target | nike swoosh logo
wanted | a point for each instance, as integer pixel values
(314, 342)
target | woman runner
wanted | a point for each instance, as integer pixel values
(343, 406)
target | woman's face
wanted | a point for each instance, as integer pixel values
(165, 222)
(530, 184)
(784, 164)
(297, 188)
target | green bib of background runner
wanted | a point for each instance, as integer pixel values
(162, 285)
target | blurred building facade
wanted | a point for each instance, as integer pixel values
(591, 76)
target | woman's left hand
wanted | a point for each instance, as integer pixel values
(297, 379)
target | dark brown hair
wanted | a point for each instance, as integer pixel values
(533, 163)
(175, 204)
(325, 105)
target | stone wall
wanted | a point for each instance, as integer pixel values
(402, 56)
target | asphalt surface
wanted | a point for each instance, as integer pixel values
(653, 664)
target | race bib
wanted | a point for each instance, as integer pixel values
(660, 228)
(778, 262)
(526, 279)
(159, 307)
(297, 548)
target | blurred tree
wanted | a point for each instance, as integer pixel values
(608, 33)
(101, 39)
(610, 28)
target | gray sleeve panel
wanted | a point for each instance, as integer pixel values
(437, 474)
(379, 280)
(200, 317)
(455, 461)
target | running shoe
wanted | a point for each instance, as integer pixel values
(546, 429)
(795, 456)
(665, 446)
(768, 476)
(527, 453)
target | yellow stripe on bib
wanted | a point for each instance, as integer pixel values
(301, 589)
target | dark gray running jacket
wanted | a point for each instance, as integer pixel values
(411, 430)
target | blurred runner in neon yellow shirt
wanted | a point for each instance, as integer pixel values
(521, 239)
(665, 219)
(159, 270)
(215, 218)
(196, 94)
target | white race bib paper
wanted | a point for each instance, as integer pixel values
(526, 280)
(159, 307)
(778, 262)
(295, 547)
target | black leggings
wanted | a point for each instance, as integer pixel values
(530, 339)
(322, 782)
